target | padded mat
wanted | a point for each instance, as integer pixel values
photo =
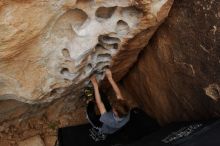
(139, 125)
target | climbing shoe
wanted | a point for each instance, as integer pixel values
(89, 93)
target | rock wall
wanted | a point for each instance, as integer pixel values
(48, 49)
(177, 76)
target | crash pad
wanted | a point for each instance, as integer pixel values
(142, 130)
(194, 133)
(140, 124)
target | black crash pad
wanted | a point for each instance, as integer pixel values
(198, 133)
(139, 125)
(144, 131)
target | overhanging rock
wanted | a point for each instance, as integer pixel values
(50, 48)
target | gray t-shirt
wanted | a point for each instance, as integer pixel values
(111, 123)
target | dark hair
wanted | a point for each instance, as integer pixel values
(121, 107)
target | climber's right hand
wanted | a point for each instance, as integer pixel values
(94, 80)
(108, 73)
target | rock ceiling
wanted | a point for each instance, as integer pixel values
(49, 48)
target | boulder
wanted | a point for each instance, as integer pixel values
(49, 49)
(33, 141)
(177, 77)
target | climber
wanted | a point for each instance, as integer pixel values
(114, 116)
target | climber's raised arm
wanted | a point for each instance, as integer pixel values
(98, 99)
(114, 85)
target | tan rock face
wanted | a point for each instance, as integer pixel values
(50, 48)
(33, 141)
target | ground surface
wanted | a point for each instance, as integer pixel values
(30, 131)
(22, 129)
